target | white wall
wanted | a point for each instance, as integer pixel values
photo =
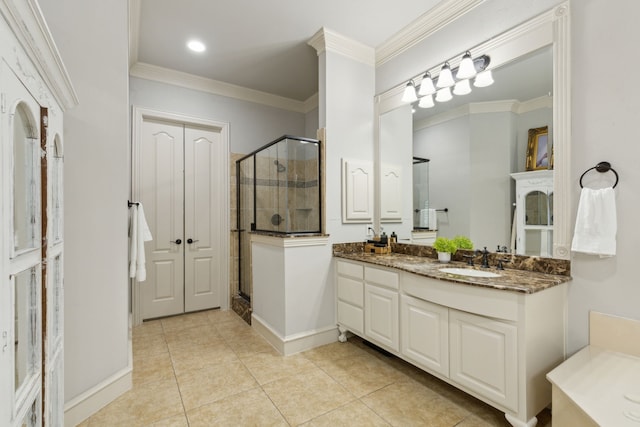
(347, 110)
(396, 149)
(251, 125)
(448, 146)
(92, 39)
(604, 126)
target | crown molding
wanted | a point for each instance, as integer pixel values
(190, 81)
(30, 29)
(328, 40)
(502, 106)
(442, 14)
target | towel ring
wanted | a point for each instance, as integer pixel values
(601, 167)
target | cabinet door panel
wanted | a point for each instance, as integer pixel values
(484, 358)
(425, 334)
(381, 316)
(351, 317)
(350, 290)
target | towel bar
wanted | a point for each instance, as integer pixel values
(601, 167)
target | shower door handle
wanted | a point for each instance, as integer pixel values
(190, 241)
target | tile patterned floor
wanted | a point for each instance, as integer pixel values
(211, 369)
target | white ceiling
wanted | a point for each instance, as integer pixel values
(260, 44)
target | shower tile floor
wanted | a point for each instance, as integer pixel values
(211, 369)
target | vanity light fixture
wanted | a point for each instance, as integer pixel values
(410, 92)
(444, 94)
(462, 87)
(445, 79)
(426, 86)
(467, 69)
(458, 79)
(426, 102)
(483, 79)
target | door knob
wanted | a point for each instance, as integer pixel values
(190, 241)
(177, 241)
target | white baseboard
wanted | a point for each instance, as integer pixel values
(296, 343)
(88, 403)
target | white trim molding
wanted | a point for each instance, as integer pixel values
(436, 18)
(507, 105)
(88, 403)
(28, 25)
(290, 241)
(216, 87)
(328, 40)
(295, 343)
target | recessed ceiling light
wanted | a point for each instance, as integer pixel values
(196, 46)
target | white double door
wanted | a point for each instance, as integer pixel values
(180, 174)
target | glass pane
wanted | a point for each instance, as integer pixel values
(420, 193)
(302, 186)
(25, 183)
(25, 326)
(57, 298)
(56, 190)
(536, 209)
(539, 243)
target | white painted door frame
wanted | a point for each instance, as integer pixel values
(140, 114)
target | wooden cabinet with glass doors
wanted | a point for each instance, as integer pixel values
(31, 249)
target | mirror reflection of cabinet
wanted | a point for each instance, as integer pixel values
(534, 213)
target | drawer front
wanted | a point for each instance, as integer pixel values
(351, 291)
(351, 317)
(473, 299)
(350, 269)
(387, 278)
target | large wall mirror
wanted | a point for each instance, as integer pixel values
(477, 141)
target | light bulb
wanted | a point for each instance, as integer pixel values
(426, 86)
(483, 79)
(466, 70)
(196, 46)
(409, 93)
(445, 79)
(426, 102)
(462, 87)
(444, 95)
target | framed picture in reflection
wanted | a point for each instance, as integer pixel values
(539, 151)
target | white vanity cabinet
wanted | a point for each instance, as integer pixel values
(381, 305)
(484, 356)
(496, 345)
(350, 292)
(501, 343)
(425, 334)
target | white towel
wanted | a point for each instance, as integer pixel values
(424, 217)
(139, 233)
(596, 223)
(433, 219)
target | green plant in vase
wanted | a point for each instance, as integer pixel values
(463, 242)
(445, 248)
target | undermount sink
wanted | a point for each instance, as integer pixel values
(468, 272)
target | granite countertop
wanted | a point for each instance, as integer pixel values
(527, 282)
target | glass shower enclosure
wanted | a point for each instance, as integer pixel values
(278, 193)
